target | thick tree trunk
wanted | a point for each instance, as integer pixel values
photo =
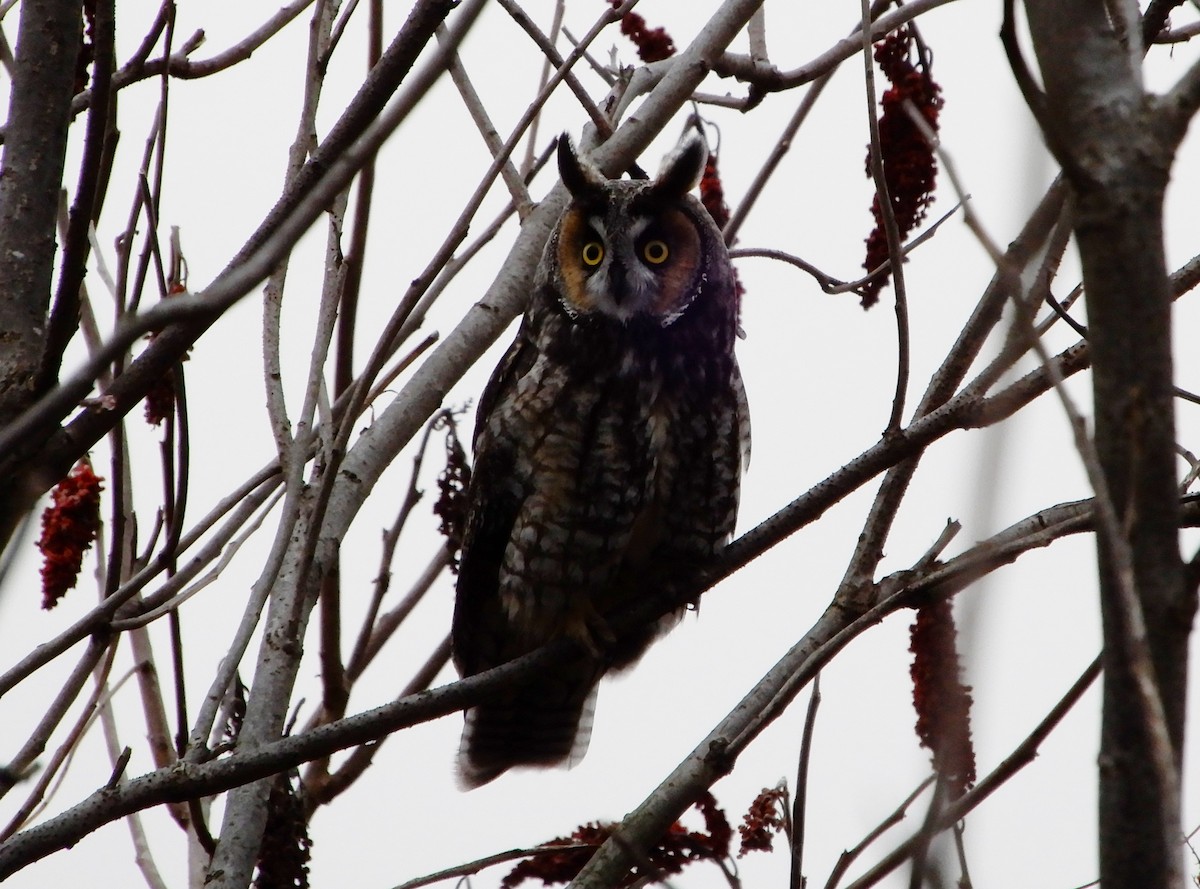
(1119, 233)
(1116, 145)
(31, 174)
(35, 148)
(34, 151)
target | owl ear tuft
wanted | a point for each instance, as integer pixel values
(682, 168)
(579, 175)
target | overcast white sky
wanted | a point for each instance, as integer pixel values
(819, 373)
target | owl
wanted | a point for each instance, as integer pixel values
(609, 447)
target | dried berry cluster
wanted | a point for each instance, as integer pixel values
(712, 196)
(451, 505)
(763, 820)
(712, 193)
(285, 851)
(909, 163)
(160, 399)
(678, 848)
(69, 526)
(653, 44)
(942, 702)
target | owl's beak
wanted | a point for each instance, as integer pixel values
(617, 284)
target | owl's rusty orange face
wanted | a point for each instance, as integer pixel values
(643, 265)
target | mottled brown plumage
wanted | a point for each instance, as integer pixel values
(608, 453)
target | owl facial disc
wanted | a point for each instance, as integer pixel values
(628, 249)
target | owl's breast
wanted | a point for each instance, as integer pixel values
(621, 456)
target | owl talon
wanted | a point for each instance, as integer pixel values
(597, 630)
(592, 632)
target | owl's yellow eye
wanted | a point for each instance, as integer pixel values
(655, 252)
(592, 253)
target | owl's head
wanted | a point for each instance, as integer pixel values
(630, 249)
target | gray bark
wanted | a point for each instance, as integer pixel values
(34, 152)
(1116, 144)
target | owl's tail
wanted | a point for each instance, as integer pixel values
(545, 723)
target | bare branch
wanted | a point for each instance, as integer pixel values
(512, 179)
(186, 779)
(771, 79)
(1024, 754)
(898, 814)
(890, 227)
(34, 155)
(796, 834)
(602, 123)
(333, 165)
(474, 867)
(33, 747)
(179, 64)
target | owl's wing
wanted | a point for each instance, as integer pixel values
(743, 416)
(493, 509)
(547, 718)
(515, 363)
(478, 627)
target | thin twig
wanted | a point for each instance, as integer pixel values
(54, 768)
(333, 680)
(360, 759)
(179, 64)
(556, 27)
(1022, 755)
(483, 123)
(923, 840)
(473, 867)
(242, 501)
(563, 67)
(355, 259)
(335, 35)
(89, 190)
(799, 804)
(891, 229)
(771, 79)
(390, 621)
(898, 814)
(119, 756)
(62, 701)
(302, 144)
(172, 604)
(358, 660)
(828, 283)
(335, 698)
(782, 145)
(973, 222)
(960, 848)
(601, 70)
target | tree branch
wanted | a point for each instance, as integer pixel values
(32, 453)
(1117, 151)
(39, 112)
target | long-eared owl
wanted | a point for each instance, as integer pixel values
(609, 447)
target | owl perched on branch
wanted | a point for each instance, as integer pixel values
(609, 448)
